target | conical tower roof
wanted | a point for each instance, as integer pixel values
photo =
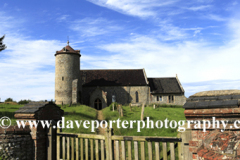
(68, 50)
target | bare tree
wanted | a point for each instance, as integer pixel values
(2, 46)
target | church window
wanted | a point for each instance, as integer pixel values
(62, 78)
(137, 100)
(171, 99)
(159, 98)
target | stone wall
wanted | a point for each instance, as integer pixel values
(16, 143)
(98, 93)
(179, 99)
(124, 94)
(66, 70)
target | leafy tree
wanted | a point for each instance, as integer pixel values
(2, 46)
(9, 100)
(24, 101)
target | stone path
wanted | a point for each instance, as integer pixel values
(100, 118)
(102, 130)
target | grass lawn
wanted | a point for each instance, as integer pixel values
(82, 112)
(79, 112)
(160, 113)
(8, 110)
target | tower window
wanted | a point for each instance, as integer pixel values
(62, 78)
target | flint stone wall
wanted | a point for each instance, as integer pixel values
(124, 94)
(16, 144)
(179, 99)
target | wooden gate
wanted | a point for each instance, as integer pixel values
(110, 147)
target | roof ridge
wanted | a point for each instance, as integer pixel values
(108, 69)
(161, 77)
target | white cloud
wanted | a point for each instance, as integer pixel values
(215, 17)
(143, 8)
(198, 8)
(62, 18)
(26, 65)
(90, 27)
(195, 62)
(167, 32)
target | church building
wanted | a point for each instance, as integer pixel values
(99, 88)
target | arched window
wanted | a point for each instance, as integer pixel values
(136, 94)
(98, 104)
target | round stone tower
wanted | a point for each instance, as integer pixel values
(67, 75)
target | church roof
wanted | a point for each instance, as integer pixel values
(164, 85)
(118, 77)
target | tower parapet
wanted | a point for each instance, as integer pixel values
(67, 69)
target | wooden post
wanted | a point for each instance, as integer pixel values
(68, 148)
(51, 139)
(142, 113)
(121, 111)
(130, 105)
(150, 150)
(96, 150)
(58, 145)
(154, 107)
(172, 151)
(72, 148)
(81, 145)
(77, 148)
(92, 151)
(117, 150)
(129, 150)
(164, 146)
(157, 150)
(102, 150)
(180, 155)
(63, 148)
(86, 149)
(136, 150)
(123, 150)
(108, 142)
(142, 151)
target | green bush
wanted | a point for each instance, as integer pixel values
(9, 100)
(24, 101)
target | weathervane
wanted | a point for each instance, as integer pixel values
(68, 41)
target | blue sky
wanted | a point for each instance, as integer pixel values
(198, 40)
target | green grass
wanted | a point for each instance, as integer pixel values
(8, 110)
(75, 112)
(160, 113)
(78, 112)
(82, 112)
